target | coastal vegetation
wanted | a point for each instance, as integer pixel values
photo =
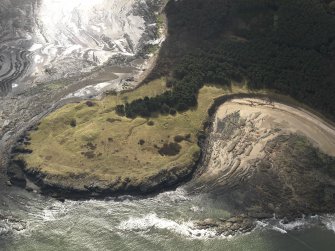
(89, 144)
(288, 46)
(147, 137)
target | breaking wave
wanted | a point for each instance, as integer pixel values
(280, 225)
(152, 221)
(329, 222)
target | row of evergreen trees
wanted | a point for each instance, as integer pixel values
(287, 45)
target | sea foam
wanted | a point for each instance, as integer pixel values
(329, 222)
(152, 221)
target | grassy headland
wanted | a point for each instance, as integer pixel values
(134, 139)
(88, 145)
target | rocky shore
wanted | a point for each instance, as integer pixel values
(251, 161)
(228, 227)
(265, 159)
(165, 180)
(241, 168)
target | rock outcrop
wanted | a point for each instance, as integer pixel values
(269, 159)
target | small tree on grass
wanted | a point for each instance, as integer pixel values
(73, 123)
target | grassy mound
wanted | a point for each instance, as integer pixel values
(88, 143)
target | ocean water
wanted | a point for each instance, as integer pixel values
(165, 221)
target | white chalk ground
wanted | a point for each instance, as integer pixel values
(84, 29)
(120, 83)
(89, 90)
(69, 39)
(287, 118)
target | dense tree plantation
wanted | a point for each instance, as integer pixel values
(286, 45)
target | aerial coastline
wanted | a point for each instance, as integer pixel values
(203, 114)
